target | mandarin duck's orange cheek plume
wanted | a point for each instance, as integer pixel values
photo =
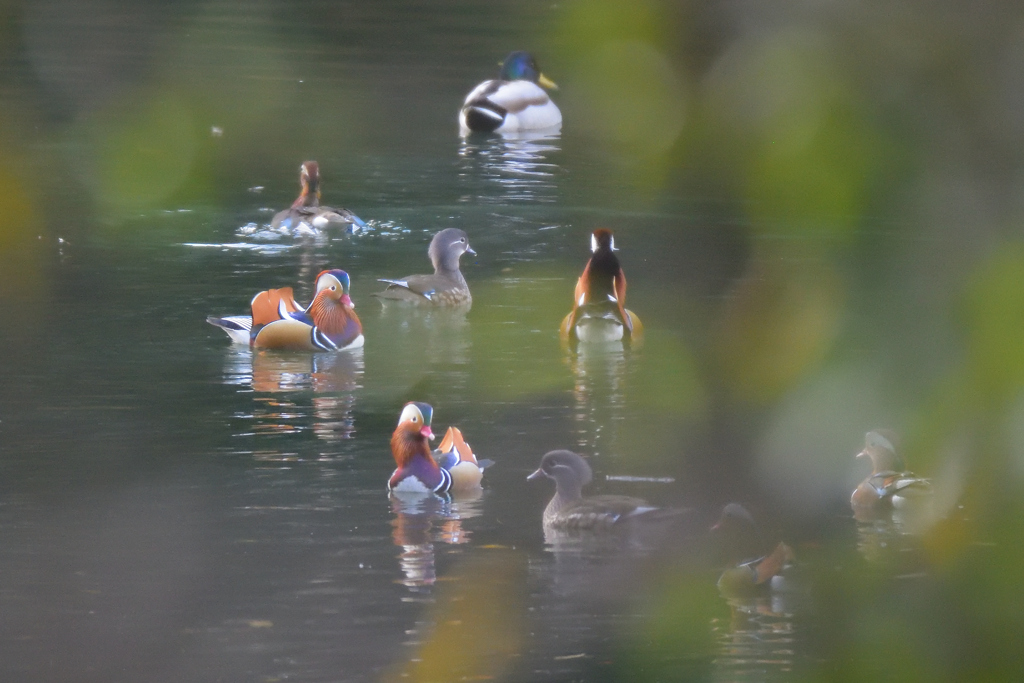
(453, 467)
(277, 321)
(599, 312)
(306, 213)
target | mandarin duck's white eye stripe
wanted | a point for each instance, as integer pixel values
(593, 243)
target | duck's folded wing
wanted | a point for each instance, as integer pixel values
(273, 304)
(287, 333)
(319, 216)
(515, 96)
(411, 288)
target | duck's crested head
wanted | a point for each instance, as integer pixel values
(415, 420)
(734, 515)
(334, 284)
(447, 248)
(309, 174)
(880, 447)
(602, 239)
(521, 66)
(568, 469)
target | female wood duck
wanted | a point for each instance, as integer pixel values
(749, 571)
(417, 469)
(889, 485)
(446, 287)
(513, 102)
(599, 312)
(569, 510)
(329, 323)
(306, 212)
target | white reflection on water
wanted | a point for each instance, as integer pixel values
(599, 394)
(420, 521)
(333, 379)
(518, 165)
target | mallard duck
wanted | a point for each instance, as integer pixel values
(889, 485)
(329, 323)
(453, 467)
(515, 101)
(306, 213)
(570, 511)
(599, 312)
(447, 286)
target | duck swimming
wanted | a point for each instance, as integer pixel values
(277, 321)
(447, 286)
(889, 485)
(515, 101)
(599, 312)
(453, 467)
(569, 510)
(305, 213)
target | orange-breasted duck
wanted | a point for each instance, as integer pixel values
(749, 570)
(889, 485)
(599, 312)
(515, 101)
(447, 286)
(453, 467)
(306, 213)
(329, 323)
(570, 511)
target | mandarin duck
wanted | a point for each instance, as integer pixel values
(446, 287)
(568, 510)
(306, 213)
(453, 467)
(515, 101)
(749, 571)
(329, 323)
(889, 485)
(599, 312)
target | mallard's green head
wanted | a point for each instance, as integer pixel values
(521, 66)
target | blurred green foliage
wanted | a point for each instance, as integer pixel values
(865, 156)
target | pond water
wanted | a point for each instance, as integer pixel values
(175, 508)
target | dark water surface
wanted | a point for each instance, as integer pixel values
(173, 508)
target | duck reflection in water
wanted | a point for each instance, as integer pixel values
(600, 378)
(422, 520)
(333, 379)
(513, 167)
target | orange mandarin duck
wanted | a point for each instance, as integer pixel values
(329, 323)
(453, 467)
(599, 312)
(749, 571)
(306, 213)
(889, 485)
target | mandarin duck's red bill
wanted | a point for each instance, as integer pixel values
(277, 321)
(306, 214)
(889, 485)
(599, 312)
(513, 102)
(446, 287)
